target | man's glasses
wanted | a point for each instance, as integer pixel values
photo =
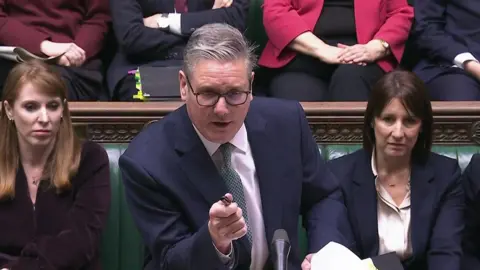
(209, 99)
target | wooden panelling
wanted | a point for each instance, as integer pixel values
(456, 123)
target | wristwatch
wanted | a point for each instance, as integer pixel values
(385, 45)
(163, 22)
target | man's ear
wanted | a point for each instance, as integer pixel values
(252, 77)
(182, 78)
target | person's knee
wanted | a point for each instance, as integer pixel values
(454, 87)
(298, 86)
(347, 73)
(125, 89)
(353, 82)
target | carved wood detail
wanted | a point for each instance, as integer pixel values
(475, 132)
(455, 123)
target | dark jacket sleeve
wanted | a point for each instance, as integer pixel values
(430, 33)
(322, 200)
(162, 225)
(29, 38)
(444, 251)
(471, 239)
(133, 37)
(93, 29)
(235, 15)
(79, 241)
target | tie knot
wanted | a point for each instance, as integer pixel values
(226, 150)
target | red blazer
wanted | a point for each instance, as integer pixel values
(26, 23)
(284, 20)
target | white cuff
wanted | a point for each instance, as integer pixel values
(226, 259)
(462, 58)
(175, 23)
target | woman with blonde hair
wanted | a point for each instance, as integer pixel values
(54, 189)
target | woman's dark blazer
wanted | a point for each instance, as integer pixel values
(63, 230)
(437, 209)
(471, 243)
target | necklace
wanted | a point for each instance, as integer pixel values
(36, 180)
(407, 187)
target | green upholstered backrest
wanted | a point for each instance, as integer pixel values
(255, 31)
(122, 247)
(462, 153)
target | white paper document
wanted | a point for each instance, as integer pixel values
(18, 54)
(337, 257)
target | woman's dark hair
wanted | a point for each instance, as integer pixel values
(412, 93)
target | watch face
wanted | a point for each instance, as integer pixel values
(162, 22)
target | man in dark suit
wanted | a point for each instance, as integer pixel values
(259, 153)
(447, 35)
(154, 33)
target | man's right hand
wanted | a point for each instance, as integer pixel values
(473, 68)
(306, 264)
(226, 224)
(74, 54)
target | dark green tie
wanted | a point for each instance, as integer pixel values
(234, 183)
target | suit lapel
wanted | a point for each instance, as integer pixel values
(422, 199)
(196, 162)
(267, 171)
(365, 206)
(199, 167)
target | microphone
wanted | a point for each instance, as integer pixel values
(281, 249)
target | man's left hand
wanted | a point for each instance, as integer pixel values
(222, 4)
(151, 21)
(306, 264)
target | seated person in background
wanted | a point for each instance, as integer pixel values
(400, 196)
(54, 190)
(446, 32)
(50, 28)
(471, 240)
(221, 142)
(154, 33)
(337, 49)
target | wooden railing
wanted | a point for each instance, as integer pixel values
(456, 123)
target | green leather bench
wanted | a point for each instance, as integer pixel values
(122, 247)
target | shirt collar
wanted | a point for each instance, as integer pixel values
(374, 164)
(240, 141)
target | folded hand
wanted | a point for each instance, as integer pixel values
(361, 53)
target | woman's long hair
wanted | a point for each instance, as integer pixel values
(64, 160)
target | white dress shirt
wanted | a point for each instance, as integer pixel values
(174, 22)
(243, 164)
(460, 59)
(393, 221)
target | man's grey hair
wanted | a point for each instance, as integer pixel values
(219, 42)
